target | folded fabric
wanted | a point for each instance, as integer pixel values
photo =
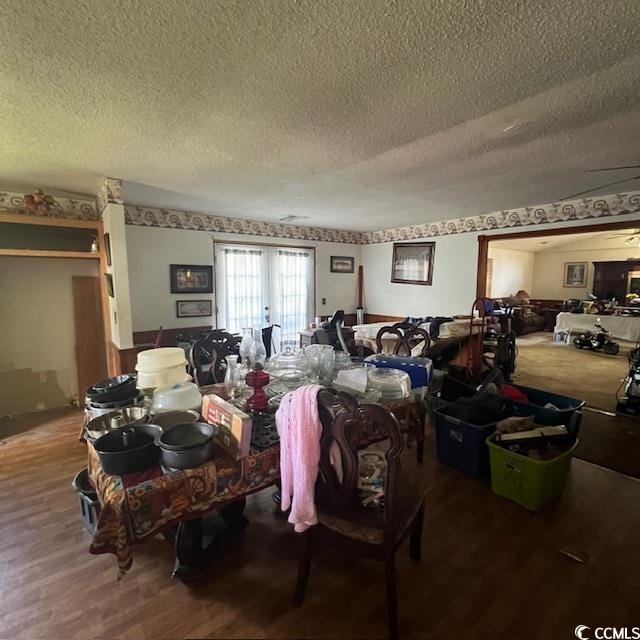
(300, 430)
(512, 393)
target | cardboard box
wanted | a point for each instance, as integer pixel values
(234, 425)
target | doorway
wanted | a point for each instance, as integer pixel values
(559, 284)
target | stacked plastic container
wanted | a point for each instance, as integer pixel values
(472, 449)
(161, 367)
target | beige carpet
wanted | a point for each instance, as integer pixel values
(592, 376)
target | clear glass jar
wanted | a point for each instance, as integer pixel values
(246, 344)
(258, 353)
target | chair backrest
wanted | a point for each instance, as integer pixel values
(267, 339)
(353, 427)
(408, 336)
(157, 343)
(202, 363)
(223, 344)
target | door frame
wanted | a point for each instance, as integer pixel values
(485, 239)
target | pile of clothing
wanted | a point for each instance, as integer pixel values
(519, 434)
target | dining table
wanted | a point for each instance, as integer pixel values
(137, 507)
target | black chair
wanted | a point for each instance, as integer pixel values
(207, 356)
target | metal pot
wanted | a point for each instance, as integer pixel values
(186, 436)
(100, 425)
(138, 398)
(128, 450)
(185, 446)
(187, 458)
(173, 418)
(113, 389)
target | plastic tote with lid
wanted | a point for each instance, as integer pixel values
(161, 367)
(177, 397)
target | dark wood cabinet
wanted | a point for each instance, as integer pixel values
(611, 279)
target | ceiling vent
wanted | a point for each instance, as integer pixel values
(292, 218)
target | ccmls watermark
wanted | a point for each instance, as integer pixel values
(583, 632)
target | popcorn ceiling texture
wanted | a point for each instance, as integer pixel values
(359, 114)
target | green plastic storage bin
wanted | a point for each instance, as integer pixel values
(531, 483)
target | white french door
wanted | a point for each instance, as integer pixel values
(259, 282)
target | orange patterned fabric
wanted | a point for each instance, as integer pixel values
(131, 514)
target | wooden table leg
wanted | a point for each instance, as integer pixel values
(188, 538)
(188, 550)
(233, 514)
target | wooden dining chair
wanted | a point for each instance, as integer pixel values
(207, 356)
(407, 337)
(344, 523)
(202, 362)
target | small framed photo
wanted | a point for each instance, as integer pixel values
(191, 278)
(107, 248)
(342, 264)
(109, 280)
(193, 308)
(413, 262)
(575, 274)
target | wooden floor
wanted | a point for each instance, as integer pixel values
(489, 570)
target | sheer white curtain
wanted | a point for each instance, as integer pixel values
(252, 278)
(291, 292)
(242, 285)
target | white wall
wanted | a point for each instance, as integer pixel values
(37, 333)
(512, 271)
(549, 268)
(454, 280)
(151, 250)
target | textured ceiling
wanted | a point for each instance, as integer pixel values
(614, 239)
(360, 114)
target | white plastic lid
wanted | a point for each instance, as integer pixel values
(162, 358)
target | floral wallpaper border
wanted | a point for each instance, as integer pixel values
(111, 191)
(174, 219)
(68, 208)
(583, 209)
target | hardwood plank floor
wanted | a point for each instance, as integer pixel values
(489, 570)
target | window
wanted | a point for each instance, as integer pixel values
(254, 279)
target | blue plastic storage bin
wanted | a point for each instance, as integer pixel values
(568, 412)
(461, 444)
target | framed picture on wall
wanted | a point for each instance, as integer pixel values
(191, 278)
(575, 274)
(412, 262)
(193, 308)
(342, 264)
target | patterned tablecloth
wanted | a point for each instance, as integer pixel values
(137, 506)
